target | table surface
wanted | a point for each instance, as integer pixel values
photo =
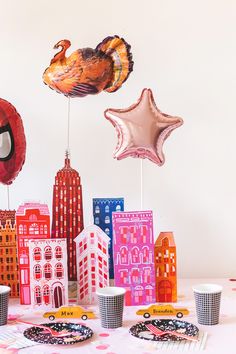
(220, 338)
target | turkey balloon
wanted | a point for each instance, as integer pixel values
(12, 142)
(89, 71)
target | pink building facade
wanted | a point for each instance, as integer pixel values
(32, 222)
(92, 263)
(133, 249)
(48, 273)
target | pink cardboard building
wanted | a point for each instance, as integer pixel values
(133, 247)
(92, 263)
(48, 272)
(32, 222)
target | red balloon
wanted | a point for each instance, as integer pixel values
(12, 142)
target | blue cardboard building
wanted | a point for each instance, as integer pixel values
(102, 213)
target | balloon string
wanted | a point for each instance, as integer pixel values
(68, 126)
(8, 198)
(141, 184)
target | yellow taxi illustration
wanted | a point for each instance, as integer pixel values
(163, 310)
(70, 312)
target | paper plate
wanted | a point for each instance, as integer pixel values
(76, 333)
(140, 330)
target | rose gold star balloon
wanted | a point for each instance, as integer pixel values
(142, 129)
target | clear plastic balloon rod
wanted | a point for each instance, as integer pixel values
(8, 198)
(141, 184)
(68, 126)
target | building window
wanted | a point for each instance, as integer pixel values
(24, 274)
(144, 233)
(135, 276)
(124, 277)
(24, 259)
(107, 209)
(21, 229)
(59, 270)
(48, 271)
(48, 253)
(148, 294)
(135, 255)
(96, 220)
(97, 209)
(165, 242)
(107, 231)
(123, 235)
(124, 255)
(118, 207)
(45, 229)
(34, 229)
(58, 253)
(37, 294)
(147, 275)
(37, 272)
(133, 235)
(145, 255)
(37, 254)
(107, 219)
(46, 294)
(138, 296)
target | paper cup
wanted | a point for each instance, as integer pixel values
(4, 298)
(111, 305)
(207, 300)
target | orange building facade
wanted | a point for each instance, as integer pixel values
(165, 268)
(8, 252)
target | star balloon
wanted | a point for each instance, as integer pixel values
(142, 129)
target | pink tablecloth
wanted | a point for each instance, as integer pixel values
(220, 338)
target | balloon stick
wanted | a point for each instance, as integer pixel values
(141, 184)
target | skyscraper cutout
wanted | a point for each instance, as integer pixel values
(67, 211)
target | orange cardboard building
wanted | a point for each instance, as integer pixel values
(8, 252)
(165, 268)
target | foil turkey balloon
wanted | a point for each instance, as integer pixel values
(12, 142)
(89, 71)
(142, 129)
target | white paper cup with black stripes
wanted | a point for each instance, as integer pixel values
(111, 306)
(4, 298)
(207, 300)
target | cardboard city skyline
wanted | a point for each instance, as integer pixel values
(148, 272)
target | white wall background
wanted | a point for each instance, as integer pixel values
(185, 51)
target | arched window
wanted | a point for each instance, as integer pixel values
(97, 209)
(97, 220)
(45, 229)
(147, 275)
(118, 207)
(24, 259)
(48, 271)
(37, 254)
(145, 255)
(48, 253)
(59, 270)
(37, 295)
(21, 229)
(37, 272)
(58, 253)
(107, 219)
(124, 255)
(144, 233)
(25, 229)
(46, 294)
(34, 229)
(135, 255)
(107, 231)
(107, 209)
(41, 229)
